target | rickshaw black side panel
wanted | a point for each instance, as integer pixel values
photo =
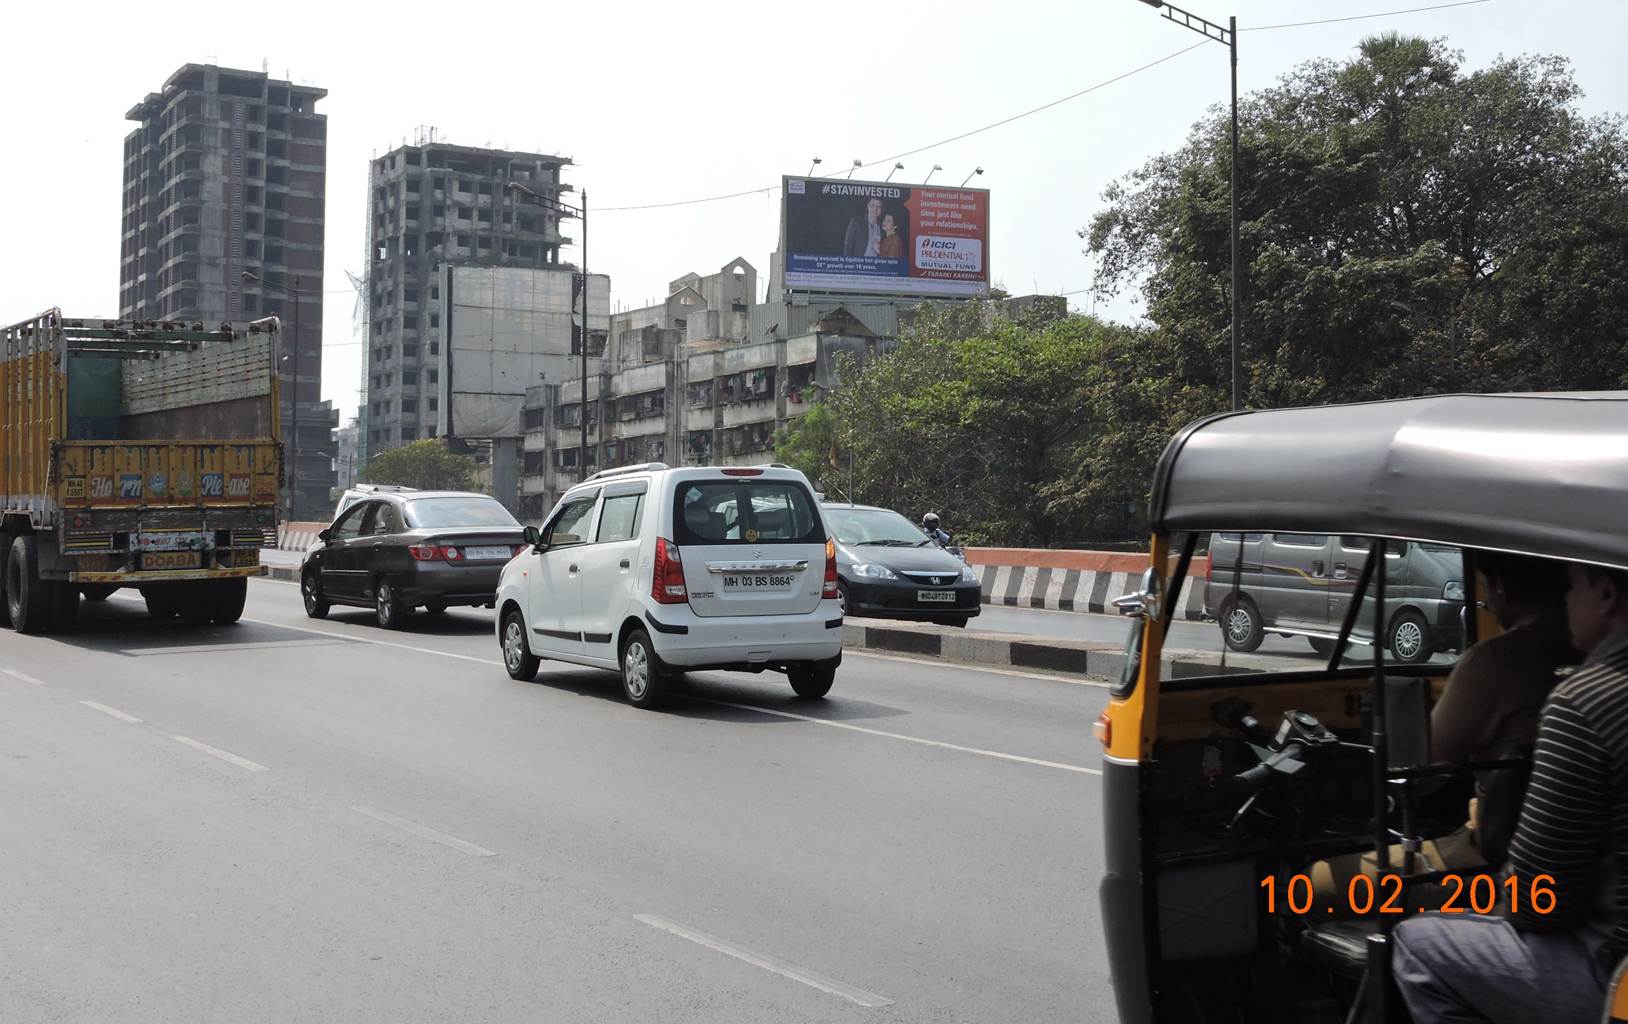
(1126, 900)
(1537, 474)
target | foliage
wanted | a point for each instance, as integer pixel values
(427, 465)
(1407, 227)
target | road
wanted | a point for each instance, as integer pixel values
(292, 820)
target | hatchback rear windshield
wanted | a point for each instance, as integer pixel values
(444, 513)
(745, 512)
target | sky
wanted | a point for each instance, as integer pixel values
(658, 103)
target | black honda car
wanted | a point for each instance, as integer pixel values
(888, 569)
(398, 551)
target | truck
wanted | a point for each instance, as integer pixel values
(139, 454)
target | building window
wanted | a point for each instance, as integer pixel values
(409, 378)
(435, 376)
(464, 213)
(435, 319)
(409, 321)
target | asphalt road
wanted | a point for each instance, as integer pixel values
(290, 820)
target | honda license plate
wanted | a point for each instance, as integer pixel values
(483, 554)
(936, 596)
(742, 583)
(172, 560)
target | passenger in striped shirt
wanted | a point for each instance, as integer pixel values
(1527, 964)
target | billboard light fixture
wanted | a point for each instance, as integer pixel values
(896, 167)
(975, 171)
(816, 163)
(935, 170)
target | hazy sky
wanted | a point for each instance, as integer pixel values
(663, 102)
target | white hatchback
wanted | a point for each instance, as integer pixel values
(652, 571)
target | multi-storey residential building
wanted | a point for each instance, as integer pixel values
(433, 205)
(224, 185)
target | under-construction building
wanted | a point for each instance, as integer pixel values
(224, 184)
(431, 205)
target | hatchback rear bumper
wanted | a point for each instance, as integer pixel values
(687, 640)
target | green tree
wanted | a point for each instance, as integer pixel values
(1408, 226)
(428, 465)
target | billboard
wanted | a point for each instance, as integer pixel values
(838, 235)
(507, 329)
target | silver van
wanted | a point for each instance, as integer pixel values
(1299, 584)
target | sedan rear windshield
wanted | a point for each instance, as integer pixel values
(746, 512)
(446, 513)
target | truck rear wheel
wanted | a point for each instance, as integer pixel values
(5, 562)
(229, 597)
(28, 597)
(161, 603)
(64, 604)
(196, 602)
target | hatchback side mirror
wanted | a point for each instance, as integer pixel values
(324, 535)
(532, 537)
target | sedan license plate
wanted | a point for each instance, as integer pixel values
(485, 554)
(936, 596)
(742, 583)
(172, 560)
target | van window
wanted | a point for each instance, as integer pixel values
(746, 512)
(1300, 540)
(1249, 538)
(1395, 549)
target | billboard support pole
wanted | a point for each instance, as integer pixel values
(583, 212)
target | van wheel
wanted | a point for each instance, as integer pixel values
(1241, 625)
(812, 680)
(1410, 640)
(517, 657)
(28, 598)
(644, 678)
(229, 598)
(311, 594)
(1322, 645)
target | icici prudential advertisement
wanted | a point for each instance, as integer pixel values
(867, 236)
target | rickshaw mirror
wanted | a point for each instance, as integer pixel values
(1145, 601)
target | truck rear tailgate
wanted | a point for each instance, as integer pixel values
(165, 474)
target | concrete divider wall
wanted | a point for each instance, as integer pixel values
(1077, 581)
(298, 536)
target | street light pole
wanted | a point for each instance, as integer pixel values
(553, 205)
(1229, 36)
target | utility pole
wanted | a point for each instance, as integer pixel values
(1229, 36)
(297, 295)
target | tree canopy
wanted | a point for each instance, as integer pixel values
(428, 465)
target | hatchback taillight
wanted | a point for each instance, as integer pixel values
(667, 582)
(830, 588)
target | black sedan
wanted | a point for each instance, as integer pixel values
(397, 552)
(888, 569)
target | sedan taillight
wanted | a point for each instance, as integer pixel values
(667, 582)
(434, 553)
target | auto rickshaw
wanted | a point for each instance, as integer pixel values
(1217, 788)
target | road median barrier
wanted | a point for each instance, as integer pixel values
(1082, 658)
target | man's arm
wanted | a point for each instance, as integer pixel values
(1563, 820)
(1458, 722)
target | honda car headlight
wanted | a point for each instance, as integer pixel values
(875, 572)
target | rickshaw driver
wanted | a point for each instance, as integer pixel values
(1490, 704)
(1555, 966)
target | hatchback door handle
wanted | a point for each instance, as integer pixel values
(625, 563)
(573, 570)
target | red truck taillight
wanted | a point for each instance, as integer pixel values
(667, 582)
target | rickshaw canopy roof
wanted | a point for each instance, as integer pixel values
(1540, 474)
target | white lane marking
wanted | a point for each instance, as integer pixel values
(768, 963)
(707, 700)
(114, 712)
(142, 652)
(24, 677)
(901, 736)
(425, 832)
(381, 643)
(224, 755)
(966, 666)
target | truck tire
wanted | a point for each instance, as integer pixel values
(230, 595)
(196, 602)
(161, 603)
(28, 597)
(5, 558)
(64, 604)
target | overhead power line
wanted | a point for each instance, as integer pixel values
(1362, 17)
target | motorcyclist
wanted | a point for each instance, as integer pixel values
(929, 526)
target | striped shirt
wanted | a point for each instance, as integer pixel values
(1574, 823)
